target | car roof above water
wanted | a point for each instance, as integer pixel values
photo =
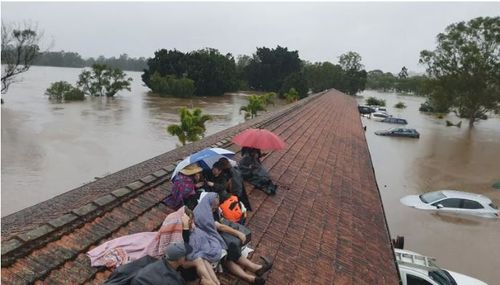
(465, 195)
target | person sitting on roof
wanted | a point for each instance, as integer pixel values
(164, 271)
(208, 244)
(186, 187)
(254, 172)
(175, 228)
(235, 184)
(218, 182)
(232, 209)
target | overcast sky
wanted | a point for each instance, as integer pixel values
(386, 35)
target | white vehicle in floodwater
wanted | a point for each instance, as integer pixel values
(379, 115)
(417, 269)
(452, 201)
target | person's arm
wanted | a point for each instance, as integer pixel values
(186, 228)
(227, 229)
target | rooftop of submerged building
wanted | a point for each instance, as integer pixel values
(325, 225)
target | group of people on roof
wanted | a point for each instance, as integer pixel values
(205, 233)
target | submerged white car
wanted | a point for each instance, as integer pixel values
(452, 201)
(417, 269)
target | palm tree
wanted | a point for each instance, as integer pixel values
(255, 104)
(192, 126)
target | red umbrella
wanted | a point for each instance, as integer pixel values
(259, 138)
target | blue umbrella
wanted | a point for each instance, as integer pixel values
(205, 159)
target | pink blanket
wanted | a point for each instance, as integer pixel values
(128, 248)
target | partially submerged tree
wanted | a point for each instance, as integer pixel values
(372, 101)
(20, 46)
(103, 80)
(292, 95)
(62, 91)
(192, 126)
(464, 69)
(170, 85)
(268, 68)
(400, 105)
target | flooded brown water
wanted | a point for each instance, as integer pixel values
(443, 158)
(48, 148)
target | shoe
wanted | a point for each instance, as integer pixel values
(265, 267)
(259, 281)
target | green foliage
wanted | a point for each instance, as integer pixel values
(269, 68)
(169, 85)
(73, 59)
(241, 63)
(464, 69)
(292, 95)
(212, 73)
(412, 85)
(350, 61)
(192, 126)
(296, 81)
(400, 105)
(268, 98)
(103, 80)
(322, 76)
(256, 104)
(372, 101)
(353, 75)
(378, 80)
(63, 91)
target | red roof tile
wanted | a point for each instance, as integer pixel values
(325, 225)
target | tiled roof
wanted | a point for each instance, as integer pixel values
(325, 225)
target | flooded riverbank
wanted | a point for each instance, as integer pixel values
(443, 158)
(50, 148)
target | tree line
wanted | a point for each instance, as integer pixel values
(462, 72)
(207, 72)
(74, 59)
(401, 83)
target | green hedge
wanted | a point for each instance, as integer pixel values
(170, 85)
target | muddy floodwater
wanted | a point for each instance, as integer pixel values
(443, 158)
(49, 148)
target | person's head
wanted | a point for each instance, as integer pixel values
(197, 176)
(175, 253)
(223, 196)
(225, 163)
(255, 153)
(217, 168)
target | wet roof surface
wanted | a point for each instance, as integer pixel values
(325, 225)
